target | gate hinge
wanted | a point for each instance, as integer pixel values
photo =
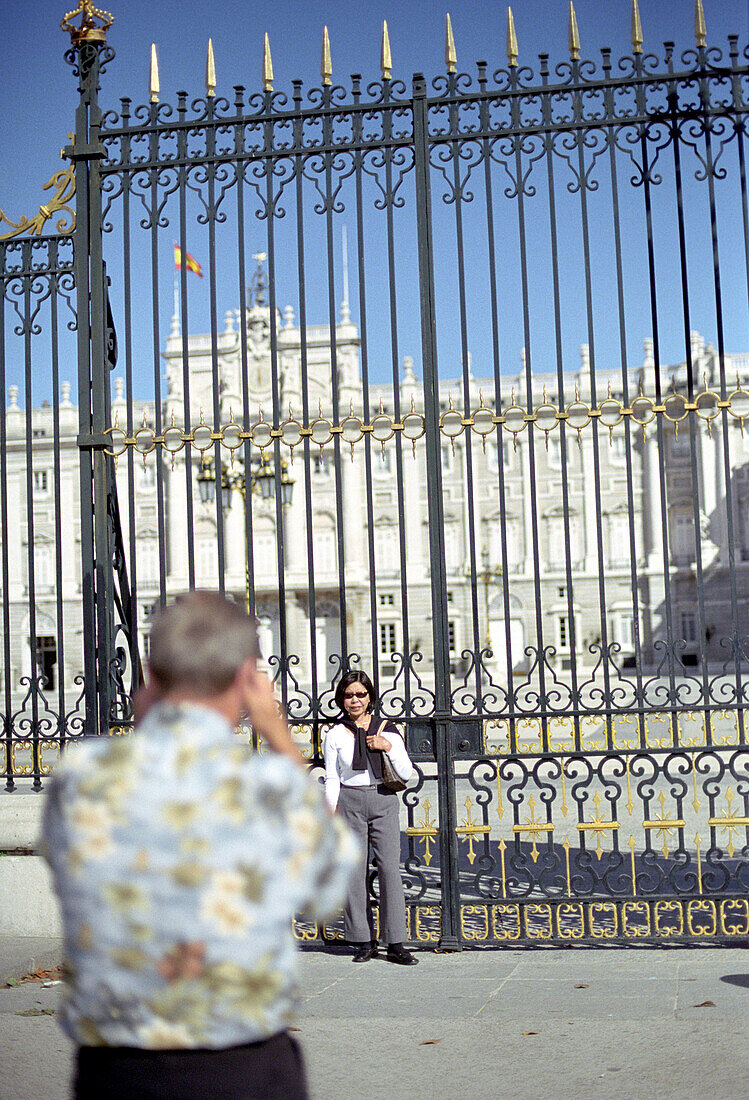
(84, 152)
(94, 441)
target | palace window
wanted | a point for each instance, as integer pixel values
(689, 626)
(320, 464)
(46, 659)
(387, 640)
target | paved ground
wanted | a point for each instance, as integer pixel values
(558, 1024)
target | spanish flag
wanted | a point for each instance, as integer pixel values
(190, 262)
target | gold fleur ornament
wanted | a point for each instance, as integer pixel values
(64, 185)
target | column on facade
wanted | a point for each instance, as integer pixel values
(235, 551)
(652, 472)
(413, 472)
(590, 504)
(708, 450)
(526, 502)
(177, 520)
(352, 487)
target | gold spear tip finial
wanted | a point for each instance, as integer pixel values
(94, 24)
(326, 65)
(574, 35)
(386, 60)
(153, 83)
(451, 57)
(512, 40)
(700, 28)
(267, 66)
(210, 71)
(637, 38)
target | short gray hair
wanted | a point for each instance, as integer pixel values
(201, 641)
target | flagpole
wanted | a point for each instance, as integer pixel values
(345, 311)
(175, 316)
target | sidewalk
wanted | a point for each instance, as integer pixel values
(552, 1024)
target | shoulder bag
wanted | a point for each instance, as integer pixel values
(390, 777)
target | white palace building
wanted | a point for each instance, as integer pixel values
(598, 532)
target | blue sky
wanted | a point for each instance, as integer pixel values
(40, 99)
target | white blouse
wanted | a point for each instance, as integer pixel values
(339, 754)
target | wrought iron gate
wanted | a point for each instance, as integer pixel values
(545, 570)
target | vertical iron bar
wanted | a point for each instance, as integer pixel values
(304, 377)
(517, 141)
(55, 277)
(155, 218)
(611, 139)
(653, 292)
(185, 330)
(87, 224)
(387, 126)
(443, 747)
(718, 296)
(328, 206)
(486, 149)
(455, 150)
(358, 133)
(29, 316)
(585, 225)
(693, 427)
(7, 727)
(561, 403)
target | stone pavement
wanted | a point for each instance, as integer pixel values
(558, 1024)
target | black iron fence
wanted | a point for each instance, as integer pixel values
(540, 555)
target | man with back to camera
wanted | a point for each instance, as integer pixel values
(179, 858)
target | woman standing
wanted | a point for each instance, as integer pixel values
(354, 750)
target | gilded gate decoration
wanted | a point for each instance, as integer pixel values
(549, 575)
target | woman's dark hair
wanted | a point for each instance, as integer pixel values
(349, 678)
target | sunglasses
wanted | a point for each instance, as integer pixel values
(356, 695)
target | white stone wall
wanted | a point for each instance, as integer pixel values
(599, 520)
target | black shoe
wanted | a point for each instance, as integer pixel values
(398, 954)
(365, 952)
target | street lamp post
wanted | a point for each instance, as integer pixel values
(262, 479)
(488, 574)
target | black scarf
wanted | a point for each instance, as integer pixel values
(363, 755)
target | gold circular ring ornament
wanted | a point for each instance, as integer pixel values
(707, 405)
(261, 434)
(643, 410)
(611, 412)
(675, 407)
(321, 431)
(145, 440)
(291, 433)
(202, 437)
(351, 430)
(738, 404)
(174, 439)
(514, 419)
(547, 417)
(382, 428)
(483, 421)
(119, 441)
(413, 426)
(231, 436)
(578, 415)
(451, 424)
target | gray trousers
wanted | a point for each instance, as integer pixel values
(372, 813)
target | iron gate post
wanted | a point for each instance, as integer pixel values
(93, 385)
(442, 726)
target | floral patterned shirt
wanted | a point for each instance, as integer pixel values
(179, 858)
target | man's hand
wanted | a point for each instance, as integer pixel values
(266, 716)
(145, 697)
